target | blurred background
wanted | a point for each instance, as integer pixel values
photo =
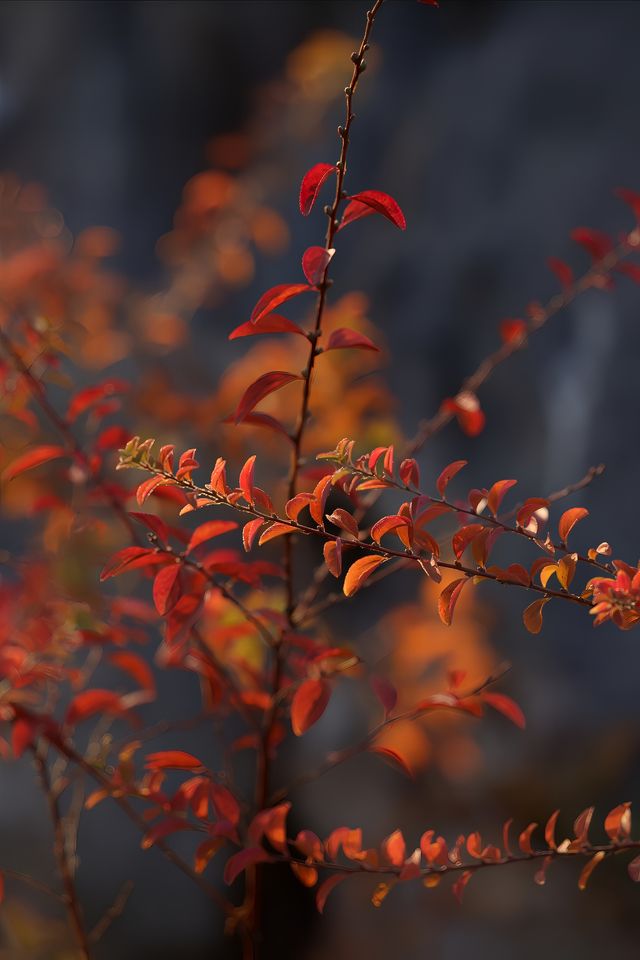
(498, 127)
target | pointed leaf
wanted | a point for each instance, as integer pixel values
(269, 323)
(344, 338)
(309, 703)
(311, 183)
(359, 572)
(373, 201)
(568, 521)
(448, 474)
(276, 296)
(532, 616)
(315, 261)
(261, 388)
(33, 458)
(206, 531)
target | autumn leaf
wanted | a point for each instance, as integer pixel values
(568, 521)
(373, 201)
(345, 339)
(276, 296)
(311, 183)
(532, 616)
(315, 261)
(34, 458)
(261, 388)
(309, 703)
(359, 572)
(172, 760)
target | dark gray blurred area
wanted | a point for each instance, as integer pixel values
(498, 127)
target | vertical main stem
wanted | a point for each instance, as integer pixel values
(254, 888)
(65, 868)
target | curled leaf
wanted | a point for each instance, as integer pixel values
(359, 572)
(373, 201)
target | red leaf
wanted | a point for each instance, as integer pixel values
(155, 524)
(315, 261)
(394, 848)
(239, 862)
(172, 760)
(569, 519)
(309, 703)
(273, 297)
(261, 388)
(373, 201)
(332, 881)
(23, 733)
(562, 271)
(91, 395)
(311, 183)
(448, 599)
(163, 829)
(344, 338)
(588, 869)
(214, 528)
(90, 702)
(524, 840)
(136, 667)
(506, 706)
(464, 536)
(131, 558)
(167, 589)
(270, 323)
(34, 458)
(448, 474)
(227, 807)
(358, 572)
(147, 487)
(617, 823)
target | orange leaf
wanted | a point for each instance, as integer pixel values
(386, 525)
(394, 848)
(448, 474)
(332, 552)
(497, 493)
(327, 886)
(136, 667)
(250, 531)
(448, 599)
(172, 760)
(532, 616)
(524, 840)
(568, 521)
(506, 706)
(275, 530)
(359, 572)
(309, 703)
(588, 869)
(617, 823)
(245, 480)
(34, 458)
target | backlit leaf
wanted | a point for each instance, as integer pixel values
(373, 201)
(311, 183)
(261, 388)
(309, 703)
(315, 261)
(359, 572)
(33, 458)
(568, 521)
(276, 296)
(343, 338)
(532, 616)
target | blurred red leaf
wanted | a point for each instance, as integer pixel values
(311, 183)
